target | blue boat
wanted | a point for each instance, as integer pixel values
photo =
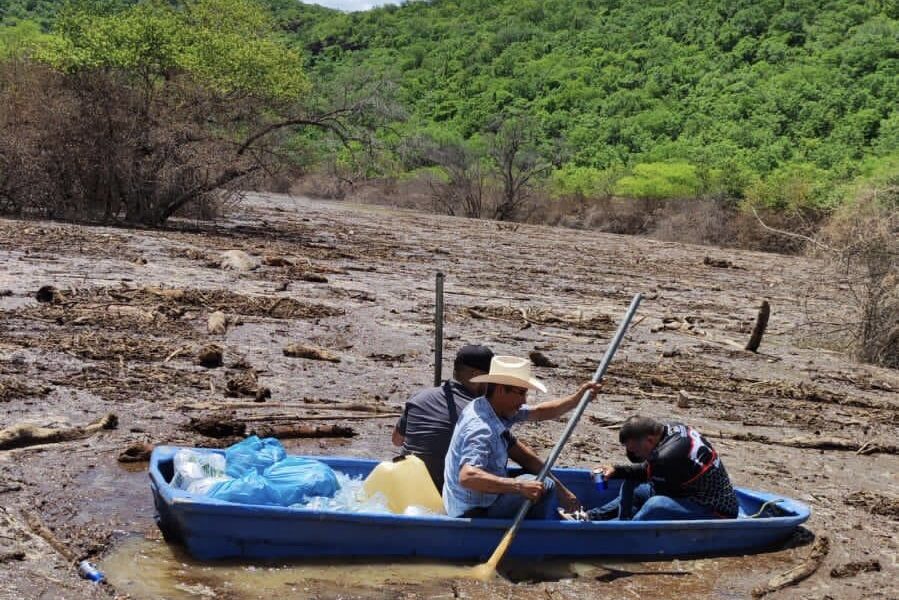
(214, 529)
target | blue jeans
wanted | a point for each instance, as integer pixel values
(507, 506)
(651, 507)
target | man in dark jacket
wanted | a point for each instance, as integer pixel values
(675, 474)
(429, 417)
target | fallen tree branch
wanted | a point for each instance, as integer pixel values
(226, 426)
(815, 442)
(20, 436)
(39, 529)
(798, 573)
(790, 234)
(286, 432)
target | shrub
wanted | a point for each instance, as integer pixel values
(661, 180)
(862, 242)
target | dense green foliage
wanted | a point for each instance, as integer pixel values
(771, 89)
(227, 44)
(787, 103)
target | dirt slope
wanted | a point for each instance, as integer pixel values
(358, 282)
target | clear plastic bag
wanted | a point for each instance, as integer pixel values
(192, 466)
(350, 498)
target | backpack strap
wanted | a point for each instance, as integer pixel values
(450, 402)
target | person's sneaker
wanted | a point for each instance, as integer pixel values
(596, 514)
(578, 515)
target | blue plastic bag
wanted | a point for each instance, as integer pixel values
(252, 455)
(295, 479)
(252, 488)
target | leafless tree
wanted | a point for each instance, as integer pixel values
(518, 165)
(464, 189)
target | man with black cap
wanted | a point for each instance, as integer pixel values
(426, 427)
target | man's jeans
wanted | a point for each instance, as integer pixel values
(507, 506)
(650, 507)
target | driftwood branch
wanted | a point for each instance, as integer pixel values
(790, 234)
(20, 436)
(223, 426)
(39, 529)
(817, 442)
(798, 573)
(286, 432)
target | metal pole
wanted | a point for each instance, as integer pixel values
(438, 330)
(572, 423)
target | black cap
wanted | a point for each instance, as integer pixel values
(475, 356)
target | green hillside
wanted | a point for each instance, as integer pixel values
(786, 90)
(782, 101)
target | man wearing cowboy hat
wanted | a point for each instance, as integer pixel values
(476, 482)
(429, 417)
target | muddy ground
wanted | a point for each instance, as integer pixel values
(358, 281)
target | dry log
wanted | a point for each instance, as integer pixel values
(818, 442)
(210, 356)
(276, 261)
(798, 573)
(136, 453)
(541, 360)
(761, 323)
(297, 350)
(217, 323)
(854, 568)
(12, 555)
(285, 432)
(218, 426)
(39, 529)
(307, 405)
(20, 436)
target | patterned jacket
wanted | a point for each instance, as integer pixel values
(684, 465)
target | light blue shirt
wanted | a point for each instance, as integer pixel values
(481, 439)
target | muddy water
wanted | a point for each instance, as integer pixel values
(147, 569)
(150, 569)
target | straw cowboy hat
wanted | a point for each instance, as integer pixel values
(511, 370)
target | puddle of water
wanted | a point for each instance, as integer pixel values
(149, 569)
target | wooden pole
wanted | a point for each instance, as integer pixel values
(761, 323)
(438, 330)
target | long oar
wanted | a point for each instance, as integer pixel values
(438, 329)
(487, 569)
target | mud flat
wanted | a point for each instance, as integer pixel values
(128, 314)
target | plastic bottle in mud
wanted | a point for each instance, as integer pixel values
(89, 571)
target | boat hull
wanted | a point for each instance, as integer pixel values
(212, 529)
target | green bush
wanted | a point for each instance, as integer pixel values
(793, 188)
(583, 182)
(660, 180)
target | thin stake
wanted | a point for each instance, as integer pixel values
(487, 569)
(438, 331)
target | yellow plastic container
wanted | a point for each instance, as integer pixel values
(404, 483)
